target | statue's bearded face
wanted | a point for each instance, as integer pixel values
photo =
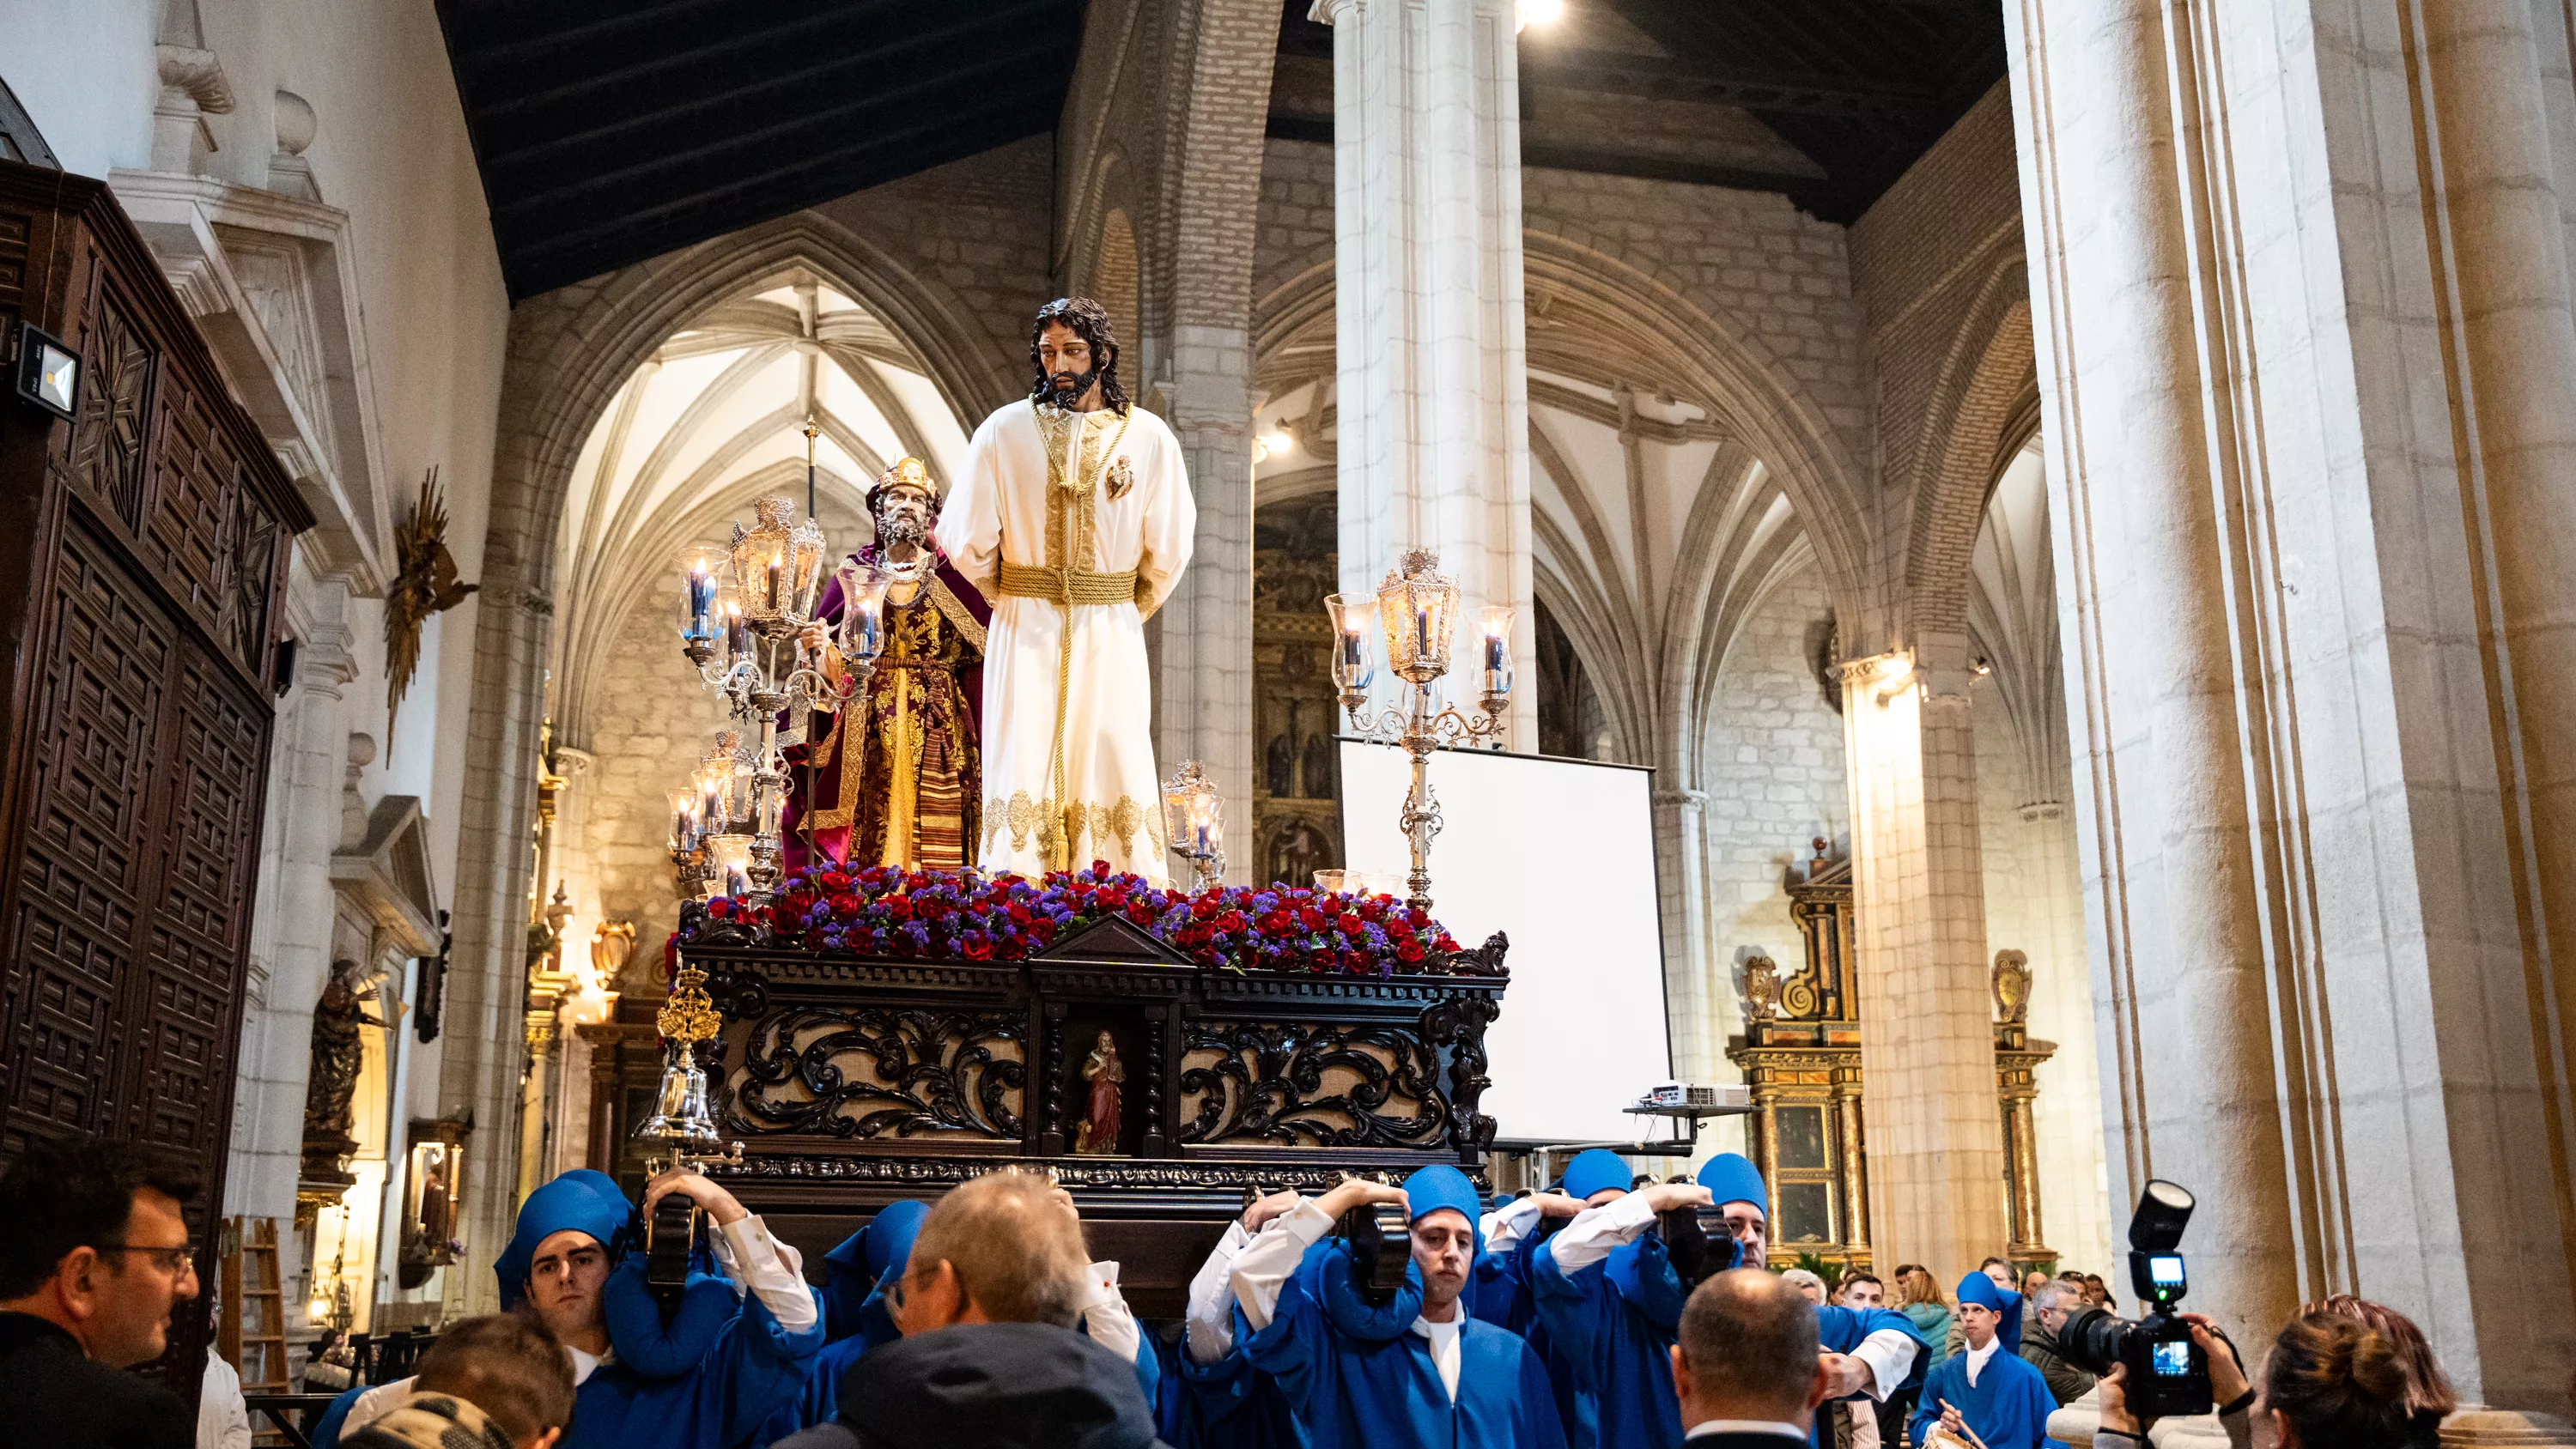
(1069, 362)
(904, 516)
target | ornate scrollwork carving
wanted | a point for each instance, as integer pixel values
(1266, 1081)
(1460, 1025)
(934, 1071)
(1485, 960)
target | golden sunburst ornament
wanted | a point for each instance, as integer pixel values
(689, 1017)
(424, 584)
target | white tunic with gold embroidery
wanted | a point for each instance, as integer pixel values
(1087, 515)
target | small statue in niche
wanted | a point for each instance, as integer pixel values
(1098, 1134)
(331, 1084)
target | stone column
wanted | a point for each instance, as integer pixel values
(1936, 1161)
(297, 906)
(1699, 987)
(2301, 290)
(1433, 384)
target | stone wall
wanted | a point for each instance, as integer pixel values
(1772, 764)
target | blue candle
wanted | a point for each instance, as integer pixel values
(702, 597)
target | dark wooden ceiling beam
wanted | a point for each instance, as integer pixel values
(1715, 80)
(869, 77)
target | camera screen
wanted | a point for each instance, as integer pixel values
(2173, 1360)
(2166, 1270)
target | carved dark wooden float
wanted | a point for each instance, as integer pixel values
(852, 1082)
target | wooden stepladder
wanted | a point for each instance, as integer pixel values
(252, 1332)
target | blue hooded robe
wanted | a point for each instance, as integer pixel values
(704, 1378)
(1360, 1378)
(1619, 1318)
(2010, 1403)
(855, 1316)
(1229, 1404)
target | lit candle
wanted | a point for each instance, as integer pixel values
(773, 583)
(702, 597)
(871, 623)
(683, 824)
(1422, 630)
(737, 633)
(1498, 649)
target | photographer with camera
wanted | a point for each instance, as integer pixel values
(1610, 1296)
(1411, 1368)
(1985, 1388)
(2123, 1429)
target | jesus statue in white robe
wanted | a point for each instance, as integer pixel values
(1074, 518)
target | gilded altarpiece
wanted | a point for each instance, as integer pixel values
(1800, 1053)
(1296, 819)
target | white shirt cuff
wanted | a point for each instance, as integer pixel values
(1262, 1269)
(1596, 1231)
(1889, 1354)
(774, 1270)
(1505, 1229)
(1105, 1313)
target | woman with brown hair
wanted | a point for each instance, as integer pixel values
(1925, 1304)
(2333, 1382)
(2428, 1397)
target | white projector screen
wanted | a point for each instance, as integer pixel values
(1560, 856)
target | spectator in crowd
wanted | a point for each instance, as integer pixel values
(2030, 1282)
(496, 1382)
(1926, 1305)
(1416, 1372)
(1747, 1367)
(2050, 1305)
(1862, 1292)
(1805, 1282)
(94, 1259)
(857, 1276)
(2429, 1398)
(223, 1417)
(1985, 1389)
(988, 1301)
(2098, 1293)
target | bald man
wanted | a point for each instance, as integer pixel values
(1745, 1364)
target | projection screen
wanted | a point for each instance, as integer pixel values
(1560, 855)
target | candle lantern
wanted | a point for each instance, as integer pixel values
(729, 863)
(1194, 821)
(684, 821)
(1354, 660)
(777, 563)
(863, 624)
(701, 575)
(1497, 682)
(1417, 609)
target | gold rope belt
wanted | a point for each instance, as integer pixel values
(1067, 586)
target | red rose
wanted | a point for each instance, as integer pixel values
(1350, 927)
(1408, 952)
(898, 909)
(846, 907)
(1311, 919)
(1446, 943)
(979, 950)
(721, 908)
(1373, 911)
(1417, 917)
(814, 939)
(1231, 921)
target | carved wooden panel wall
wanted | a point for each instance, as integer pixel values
(882, 1071)
(142, 547)
(1310, 1084)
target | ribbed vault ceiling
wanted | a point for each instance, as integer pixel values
(715, 418)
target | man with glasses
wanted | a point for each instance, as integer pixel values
(94, 1258)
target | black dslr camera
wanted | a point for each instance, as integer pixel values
(1699, 1243)
(1381, 1244)
(2168, 1373)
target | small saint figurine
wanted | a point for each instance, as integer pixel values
(1098, 1134)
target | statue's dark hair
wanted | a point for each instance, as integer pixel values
(1090, 322)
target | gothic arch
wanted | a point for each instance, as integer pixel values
(1646, 329)
(1979, 403)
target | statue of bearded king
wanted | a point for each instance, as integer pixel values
(895, 776)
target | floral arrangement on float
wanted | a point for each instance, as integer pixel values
(885, 911)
